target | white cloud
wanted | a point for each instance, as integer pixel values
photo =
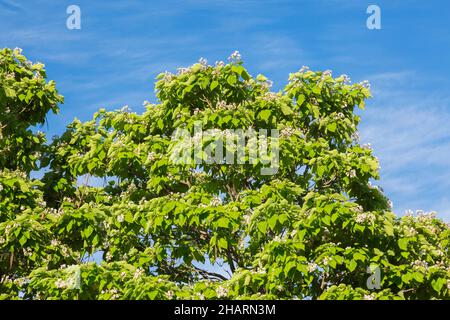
(409, 129)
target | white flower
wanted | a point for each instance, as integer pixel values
(419, 263)
(120, 218)
(366, 84)
(327, 73)
(181, 71)
(221, 292)
(54, 243)
(220, 64)
(169, 294)
(365, 217)
(138, 273)
(200, 296)
(367, 146)
(235, 56)
(125, 109)
(390, 204)
(303, 69)
(410, 232)
(60, 283)
(287, 132)
(247, 218)
(203, 61)
(312, 267)
(216, 201)
(369, 296)
(346, 78)
(108, 256)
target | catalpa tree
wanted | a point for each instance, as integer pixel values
(154, 228)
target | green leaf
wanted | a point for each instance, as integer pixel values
(223, 243)
(129, 217)
(23, 240)
(332, 127)
(418, 276)
(88, 231)
(231, 80)
(300, 99)
(265, 115)
(273, 222)
(437, 284)
(262, 226)
(389, 228)
(213, 85)
(223, 222)
(403, 243)
(358, 256)
(9, 92)
(286, 110)
(261, 78)
(351, 265)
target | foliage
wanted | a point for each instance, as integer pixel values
(309, 231)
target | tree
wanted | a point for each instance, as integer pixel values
(315, 228)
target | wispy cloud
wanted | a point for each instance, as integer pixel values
(10, 6)
(410, 133)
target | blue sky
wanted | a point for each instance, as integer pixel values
(122, 45)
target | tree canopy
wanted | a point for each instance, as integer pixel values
(315, 229)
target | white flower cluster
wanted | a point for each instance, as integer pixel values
(346, 78)
(304, 69)
(221, 292)
(287, 132)
(58, 213)
(355, 136)
(108, 256)
(367, 146)
(61, 284)
(366, 84)
(312, 267)
(369, 296)
(352, 173)
(114, 294)
(410, 232)
(125, 109)
(266, 85)
(17, 51)
(138, 273)
(365, 217)
(216, 201)
(247, 218)
(10, 75)
(327, 73)
(21, 281)
(420, 263)
(222, 105)
(235, 57)
(65, 251)
(220, 64)
(423, 216)
(270, 96)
